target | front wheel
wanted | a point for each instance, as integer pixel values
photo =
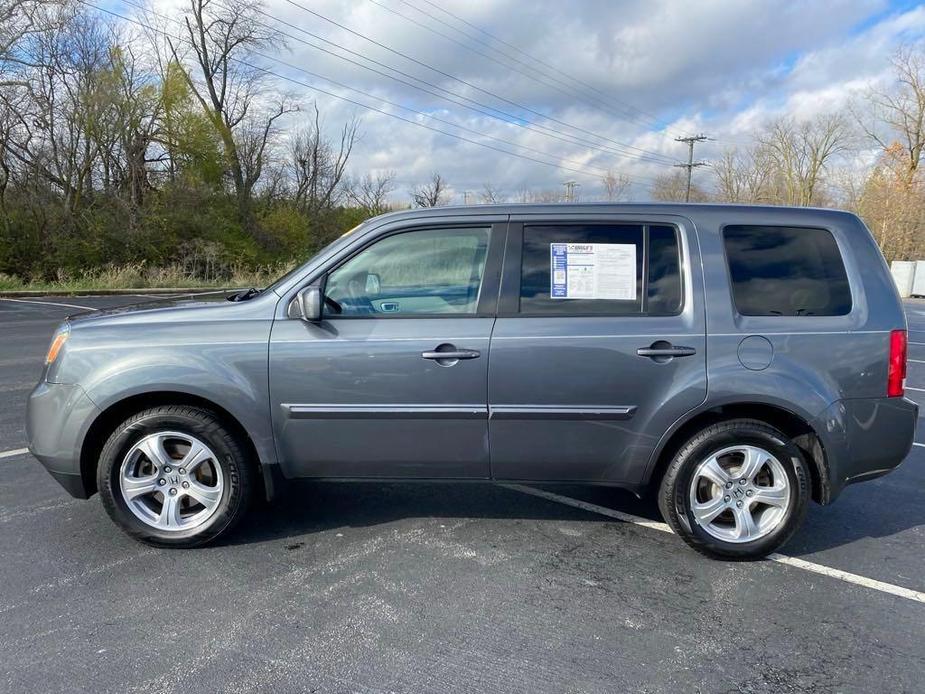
(174, 476)
(736, 490)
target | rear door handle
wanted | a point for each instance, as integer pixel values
(664, 352)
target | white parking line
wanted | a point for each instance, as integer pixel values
(838, 574)
(921, 445)
(898, 591)
(10, 454)
(49, 303)
(917, 361)
(921, 390)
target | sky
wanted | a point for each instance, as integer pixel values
(575, 88)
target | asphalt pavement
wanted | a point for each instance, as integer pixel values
(447, 588)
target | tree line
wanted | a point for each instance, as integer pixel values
(160, 143)
(821, 162)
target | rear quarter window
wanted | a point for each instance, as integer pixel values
(786, 271)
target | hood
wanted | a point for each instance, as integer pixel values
(189, 306)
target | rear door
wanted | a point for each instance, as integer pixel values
(598, 348)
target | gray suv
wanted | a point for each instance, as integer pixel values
(737, 361)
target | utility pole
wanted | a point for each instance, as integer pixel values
(570, 190)
(691, 164)
(466, 194)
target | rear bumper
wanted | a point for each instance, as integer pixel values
(865, 438)
(56, 420)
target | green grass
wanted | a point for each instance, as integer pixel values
(142, 276)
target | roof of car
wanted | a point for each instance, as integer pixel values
(609, 207)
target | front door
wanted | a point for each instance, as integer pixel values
(598, 349)
(392, 382)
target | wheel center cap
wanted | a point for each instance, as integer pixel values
(738, 493)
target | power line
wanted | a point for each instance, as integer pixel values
(586, 168)
(654, 119)
(505, 117)
(572, 92)
(691, 164)
(468, 84)
(344, 98)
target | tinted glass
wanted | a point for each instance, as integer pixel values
(539, 291)
(664, 291)
(434, 271)
(786, 271)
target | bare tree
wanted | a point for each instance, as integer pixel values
(616, 185)
(672, 187)
(62, 111)
(744, 176)
(730, 177)
(319, 165)
(491, 195)
(546, 195)
(20, 21)
(800, 152)
(892, 201)
(223, 39)
(899, 112)
(431, 194)
(371, 193)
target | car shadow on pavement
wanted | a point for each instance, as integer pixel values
(307, 507)
(870, 510)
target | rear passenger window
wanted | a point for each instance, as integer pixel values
(786, 271)
(611, 269)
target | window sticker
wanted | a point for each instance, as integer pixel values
(593, 271)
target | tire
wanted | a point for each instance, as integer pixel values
(148, 492)
(775, 497)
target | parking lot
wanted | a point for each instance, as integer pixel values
(447, 588)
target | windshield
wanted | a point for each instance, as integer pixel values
(298, 268)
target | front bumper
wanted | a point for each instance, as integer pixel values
(57, 418)
(865, 438)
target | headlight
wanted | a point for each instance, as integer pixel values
(57, 343)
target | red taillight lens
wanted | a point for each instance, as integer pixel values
(896, 375)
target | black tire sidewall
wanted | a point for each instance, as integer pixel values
(204, 426)
(709, 442)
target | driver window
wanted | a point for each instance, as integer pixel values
(429, 271)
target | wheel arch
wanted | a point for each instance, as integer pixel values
(110, 417)
(793, 424)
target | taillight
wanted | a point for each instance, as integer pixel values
(896, 375)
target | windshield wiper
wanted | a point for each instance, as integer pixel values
(244, 295)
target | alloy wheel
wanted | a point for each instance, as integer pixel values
(740, 494)
(171, 481)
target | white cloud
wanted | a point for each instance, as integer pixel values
(723, 67)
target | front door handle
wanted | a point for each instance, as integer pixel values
(451, 354)
(662, 350)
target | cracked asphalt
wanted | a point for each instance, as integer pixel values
(442, 588)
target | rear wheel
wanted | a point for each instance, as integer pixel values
(738, 489)
(174, 476)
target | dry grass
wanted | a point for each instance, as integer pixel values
(142, 276)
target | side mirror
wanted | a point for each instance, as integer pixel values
(307, 304)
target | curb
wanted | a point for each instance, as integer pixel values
(113, 292)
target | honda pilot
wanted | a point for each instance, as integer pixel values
(738, 362)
